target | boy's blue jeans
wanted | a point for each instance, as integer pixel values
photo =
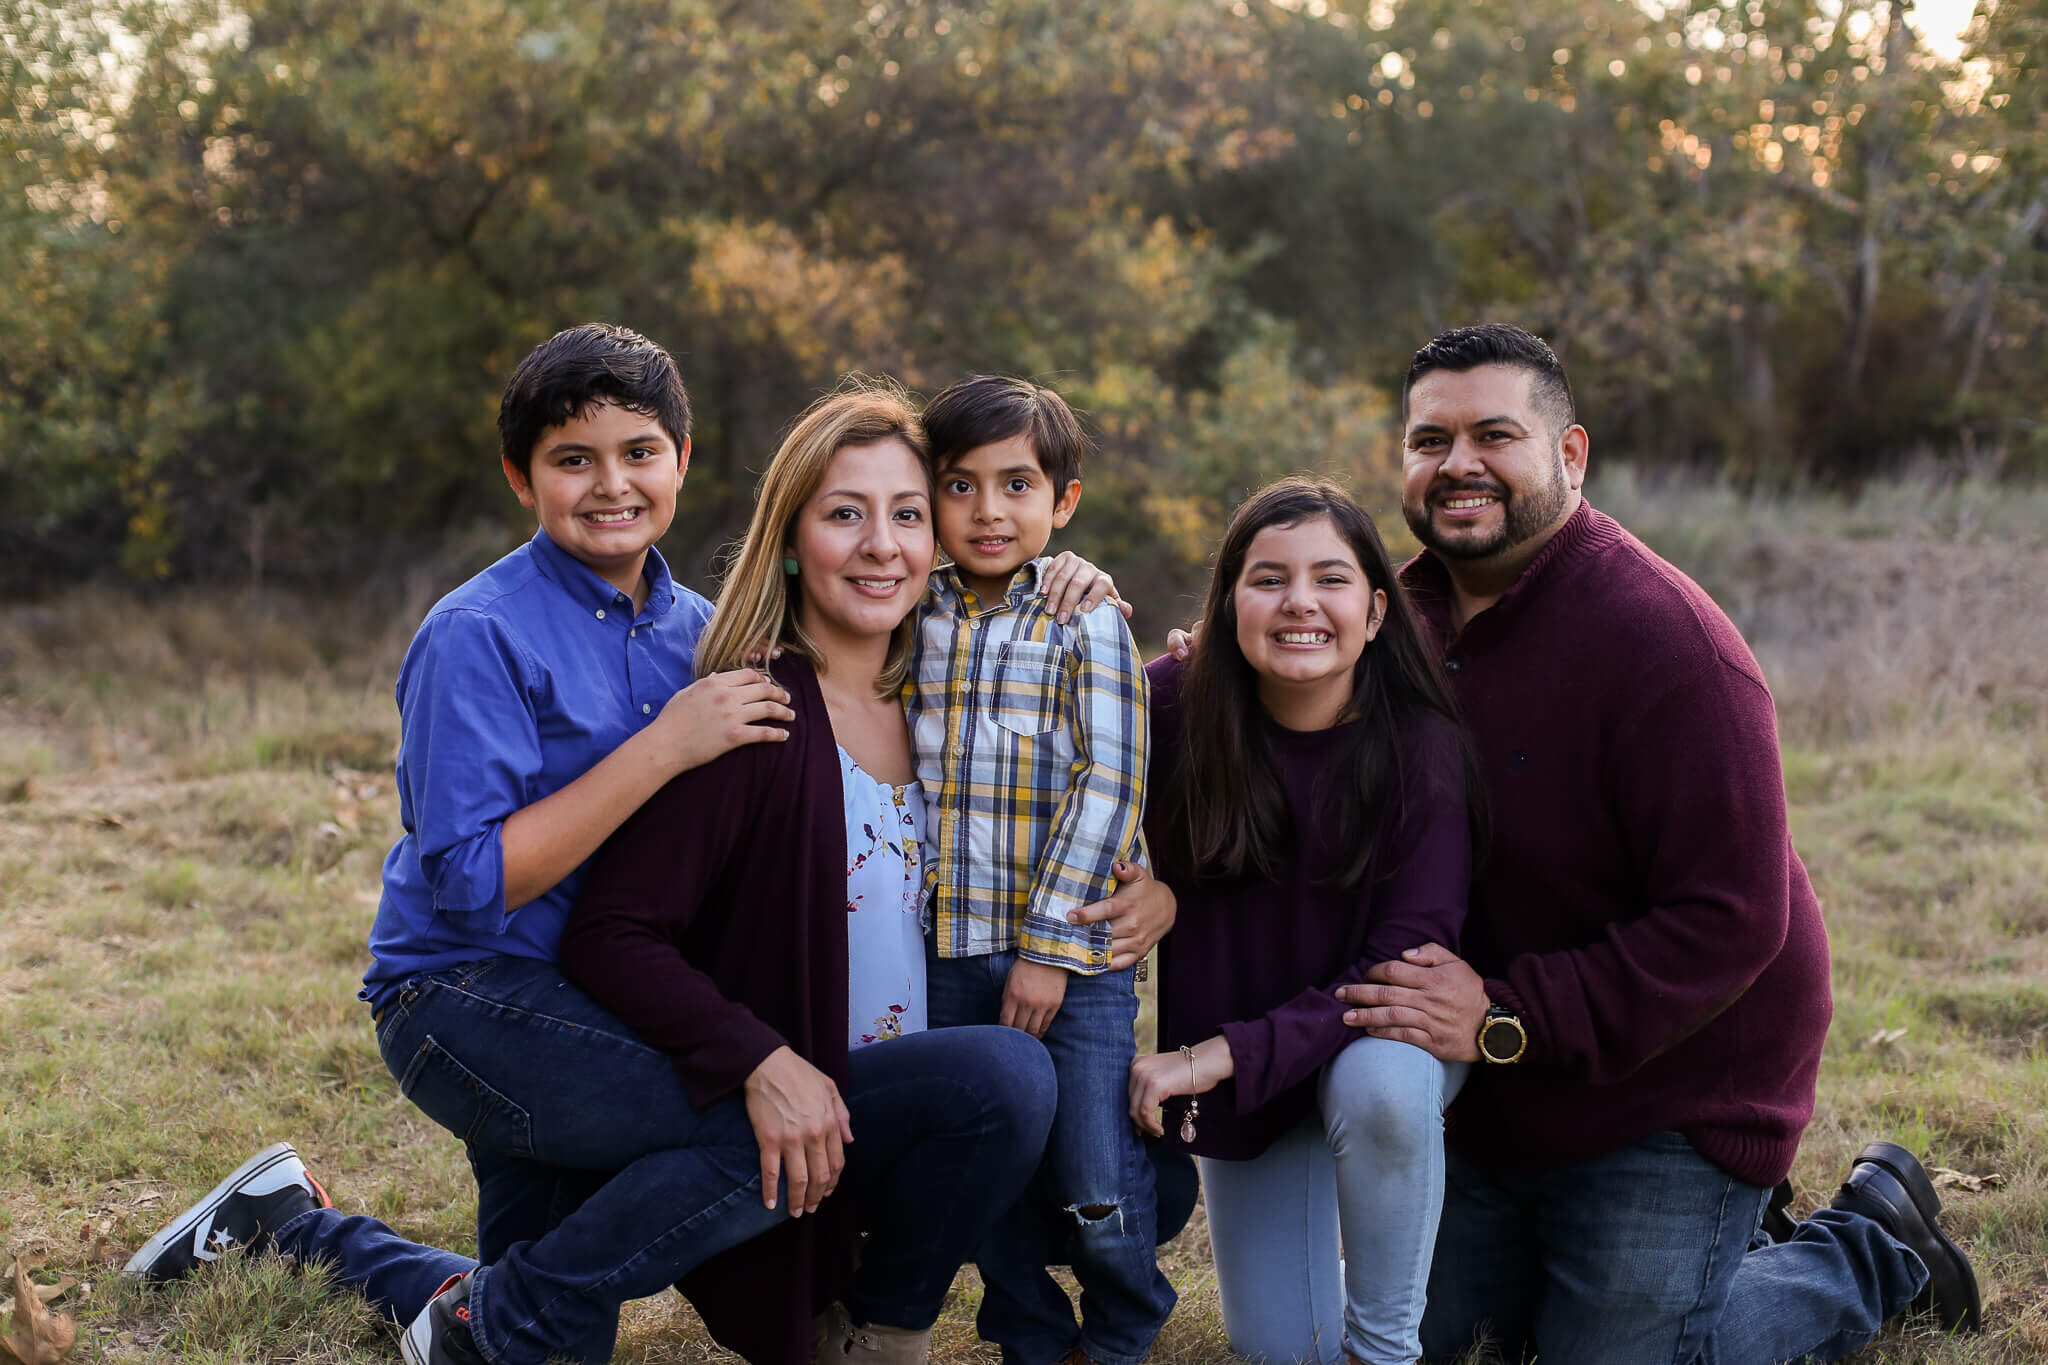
(597, 1182)
(1095, 1176)
(1645, 1255)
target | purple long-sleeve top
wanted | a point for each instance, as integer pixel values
(1259, 960)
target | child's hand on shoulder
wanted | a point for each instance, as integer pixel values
(718, 713)
(1032, 996)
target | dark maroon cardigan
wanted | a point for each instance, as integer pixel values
(713, 923)
(1642, 907)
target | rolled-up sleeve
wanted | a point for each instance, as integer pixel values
(469, 755)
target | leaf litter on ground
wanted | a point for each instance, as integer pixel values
(36, 1336)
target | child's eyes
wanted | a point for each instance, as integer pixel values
(959, 486)
(640, 453)
(1020, 484)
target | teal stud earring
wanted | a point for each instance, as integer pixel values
(789, 565)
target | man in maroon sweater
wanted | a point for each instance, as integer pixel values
(1644, 959)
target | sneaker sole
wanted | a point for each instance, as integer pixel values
(180, 1229)
(412, 1352)
(1912, 1177)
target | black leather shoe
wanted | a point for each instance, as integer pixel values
(1777, 1224)
(1888, 1184)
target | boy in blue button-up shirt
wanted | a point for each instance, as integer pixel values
(544, 700)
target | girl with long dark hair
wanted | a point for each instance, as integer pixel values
(1309, 808)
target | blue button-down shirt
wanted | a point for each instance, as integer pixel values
(517, 683)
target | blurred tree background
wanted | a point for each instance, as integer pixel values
(268, 263)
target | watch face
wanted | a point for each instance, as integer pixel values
(1501, 1040)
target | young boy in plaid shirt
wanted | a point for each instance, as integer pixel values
(1030, 738)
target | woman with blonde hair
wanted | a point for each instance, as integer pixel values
(756, 922)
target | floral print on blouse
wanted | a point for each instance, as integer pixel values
(885, 837)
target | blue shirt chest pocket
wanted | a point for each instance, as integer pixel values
(1030, 679)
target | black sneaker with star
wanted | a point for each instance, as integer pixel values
(263, 1194)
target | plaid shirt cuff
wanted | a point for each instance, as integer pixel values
(1080, 948)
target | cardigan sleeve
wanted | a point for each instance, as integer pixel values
(1421, 900)
(647, 884)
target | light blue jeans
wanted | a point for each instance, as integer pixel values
(1323, 1242)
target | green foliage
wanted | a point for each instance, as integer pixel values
(276, 258)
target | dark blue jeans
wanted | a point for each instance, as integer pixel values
(1641, 1257)
(598, 1182)
(1096, 1177)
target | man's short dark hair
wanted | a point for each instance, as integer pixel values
(988, 408)
(1499, 343)
(574, 370)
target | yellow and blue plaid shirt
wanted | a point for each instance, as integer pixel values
(1030, 739)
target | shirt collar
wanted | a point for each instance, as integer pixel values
(1023, 585)
(589, 590)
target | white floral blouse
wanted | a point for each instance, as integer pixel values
(885, 835)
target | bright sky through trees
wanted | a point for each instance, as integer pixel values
(1941, 23)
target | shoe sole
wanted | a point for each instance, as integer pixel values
(180, 1228)
(1905, 1168)
(415, 1353)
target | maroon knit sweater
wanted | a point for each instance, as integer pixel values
(1641, 907)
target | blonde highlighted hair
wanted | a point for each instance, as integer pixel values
(755, 609)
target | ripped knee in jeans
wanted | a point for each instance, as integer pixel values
(1088, 1216)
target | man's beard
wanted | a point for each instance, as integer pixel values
(1524, 516)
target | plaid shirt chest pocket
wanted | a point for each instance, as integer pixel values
(1030, 678)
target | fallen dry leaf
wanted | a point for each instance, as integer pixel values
(47, 1292)
(1884, 1037)
(1946, 1179)
(109, 819)
(34, 1335)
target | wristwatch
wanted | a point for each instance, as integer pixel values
(1502, 1039)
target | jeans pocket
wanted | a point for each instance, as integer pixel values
(1029, 674)
(461, 1101)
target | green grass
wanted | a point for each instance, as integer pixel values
(189, 885)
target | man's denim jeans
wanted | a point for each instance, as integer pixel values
(598, 1182)
(1096, 1176)
(1642, 1257)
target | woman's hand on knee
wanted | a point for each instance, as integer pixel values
(801, 1126)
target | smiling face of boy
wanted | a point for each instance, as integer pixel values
(997, 508)
(603, 485)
